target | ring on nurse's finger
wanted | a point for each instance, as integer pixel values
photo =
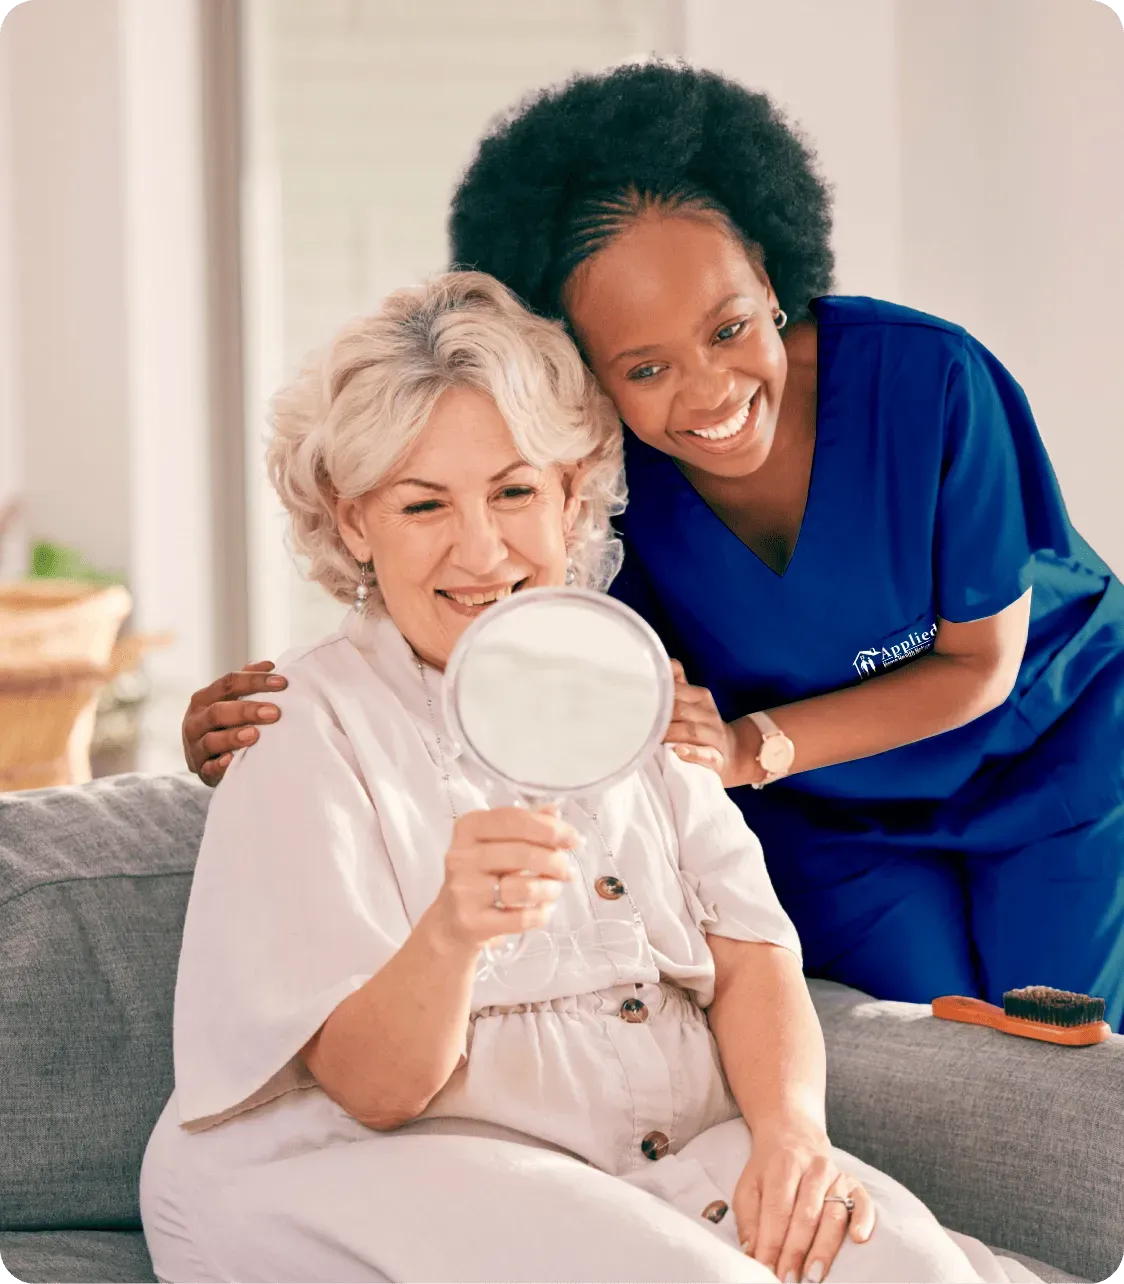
(497, 899)
(847, 1202)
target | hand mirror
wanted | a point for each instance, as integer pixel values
(558, 692)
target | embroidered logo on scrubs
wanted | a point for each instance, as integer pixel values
(877, 659)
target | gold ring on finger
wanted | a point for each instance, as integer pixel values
(497, 898)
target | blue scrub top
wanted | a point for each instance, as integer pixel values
(931, 498)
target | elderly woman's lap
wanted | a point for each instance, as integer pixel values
(416, 1207)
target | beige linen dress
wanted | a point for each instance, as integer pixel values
(588, 1134)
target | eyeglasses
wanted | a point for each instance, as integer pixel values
(537, 955)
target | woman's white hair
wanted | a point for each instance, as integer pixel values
(360, 405)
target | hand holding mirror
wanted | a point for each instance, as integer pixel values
(558, 692)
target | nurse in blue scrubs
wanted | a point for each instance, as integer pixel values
(905, 663)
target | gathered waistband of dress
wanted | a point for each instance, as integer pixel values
(661, 998)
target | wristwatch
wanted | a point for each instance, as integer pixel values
(777, 752)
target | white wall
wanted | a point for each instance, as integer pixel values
(975, 147)
(12, 555)
(103, 333)
(831, 65)
(170, 556)
(1014, 215)
(70, 387)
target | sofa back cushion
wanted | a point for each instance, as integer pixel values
(93, 888)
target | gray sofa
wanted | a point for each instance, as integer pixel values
(1018, 1143)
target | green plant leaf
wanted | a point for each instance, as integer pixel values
(58, 562)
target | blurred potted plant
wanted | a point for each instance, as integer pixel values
(58, 574)
(120, 707)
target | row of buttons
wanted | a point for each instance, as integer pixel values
(655, 1145)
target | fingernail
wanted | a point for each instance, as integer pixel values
(815, 1272)
(790, 1278)
(276, 683)
(247, 735)
(267, 712)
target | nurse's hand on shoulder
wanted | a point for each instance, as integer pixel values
(783, 1221)
(697, 732)
(504, 871)
(220, 719)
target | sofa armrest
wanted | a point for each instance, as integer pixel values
(1017, 1142)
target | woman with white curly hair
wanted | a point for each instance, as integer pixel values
(356, 1098)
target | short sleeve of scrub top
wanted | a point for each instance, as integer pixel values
(998, 504)
(294, 905)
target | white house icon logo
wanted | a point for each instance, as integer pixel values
(871, 661)
(866, 662)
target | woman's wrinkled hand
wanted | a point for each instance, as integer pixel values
(513, 851)
(697, 732)
(782, 1219)
(220, 719)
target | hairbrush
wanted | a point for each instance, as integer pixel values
(1035, 1012)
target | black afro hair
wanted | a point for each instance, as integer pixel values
(554, 177)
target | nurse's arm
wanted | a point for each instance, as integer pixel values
(971, 669)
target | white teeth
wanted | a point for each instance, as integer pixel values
(731, 426)
(478, 599)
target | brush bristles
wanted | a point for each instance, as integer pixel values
(1054, 1007)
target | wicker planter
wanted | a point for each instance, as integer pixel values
(57, 640)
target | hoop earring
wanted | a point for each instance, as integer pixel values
(363, 588)
(781, 318)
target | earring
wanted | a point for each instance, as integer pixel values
(363, 588)
(781, 318)
(571, 574)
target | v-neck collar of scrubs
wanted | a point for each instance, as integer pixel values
(662, 473)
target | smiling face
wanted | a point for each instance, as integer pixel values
(461, 521)
(678, 326)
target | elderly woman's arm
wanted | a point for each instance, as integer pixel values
(768, 1036)
(388, 1048)
(772, 1051)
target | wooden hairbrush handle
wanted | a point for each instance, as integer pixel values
(956, 1007)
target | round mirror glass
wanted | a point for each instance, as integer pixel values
(559, 691)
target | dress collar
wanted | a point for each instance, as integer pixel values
(378, 639)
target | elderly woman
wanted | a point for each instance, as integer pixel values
(356, 1097)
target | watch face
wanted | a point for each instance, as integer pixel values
(777, 753)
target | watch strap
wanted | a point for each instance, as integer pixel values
(768, 729)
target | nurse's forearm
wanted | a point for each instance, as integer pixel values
(933, 693)
(768, 1036)
(390, 1047)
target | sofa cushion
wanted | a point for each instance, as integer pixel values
(1014, 1141)
(63, 1257)
(93, 888)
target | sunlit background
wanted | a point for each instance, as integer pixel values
(194, 193)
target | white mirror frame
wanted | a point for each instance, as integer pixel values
(598, 601)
